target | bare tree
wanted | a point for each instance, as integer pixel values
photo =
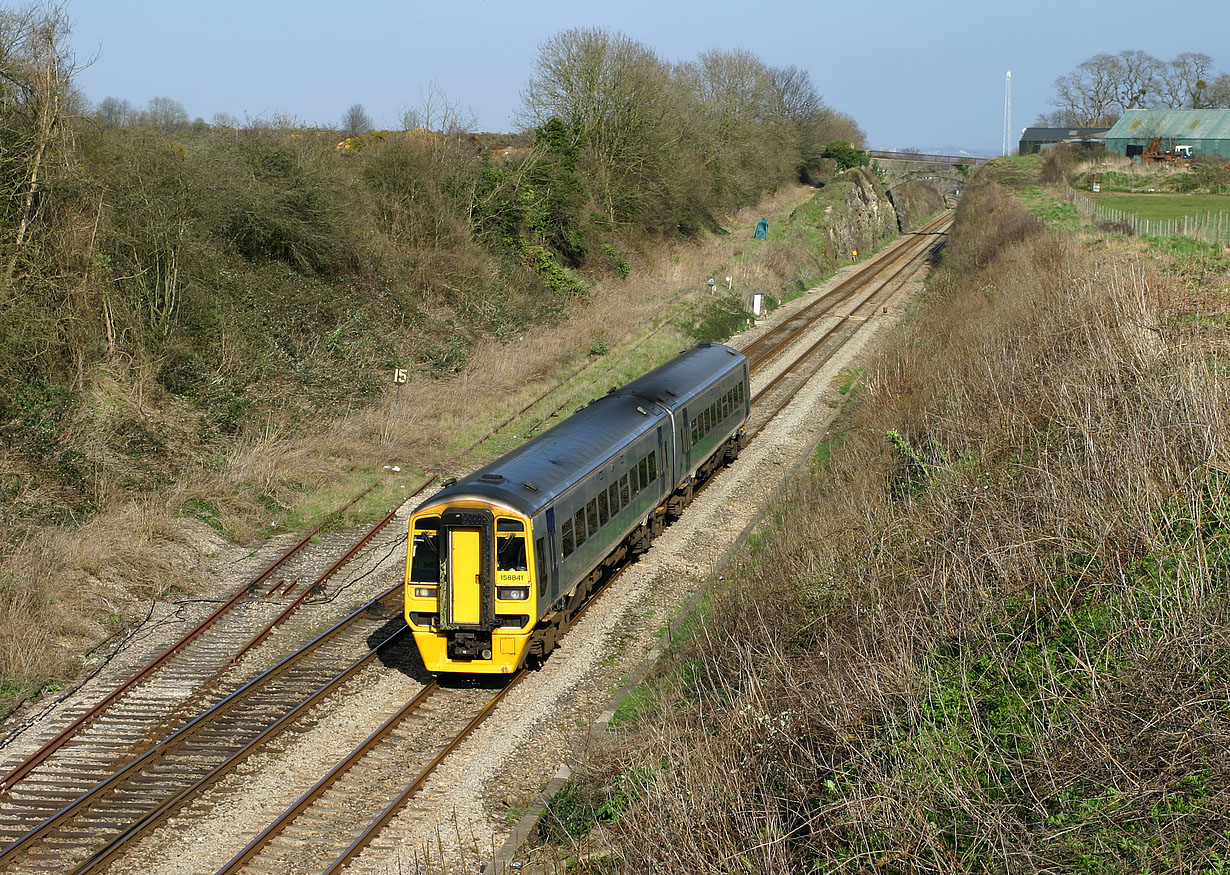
(165, 114)
(1136, 82)
(436, 112)
(36, 71)
(1218, 93)
(115, 112)
(356, 121)
(1102, 88)
(1184, 81)
(1088, 94)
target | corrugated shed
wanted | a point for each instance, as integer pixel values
(1207, 131)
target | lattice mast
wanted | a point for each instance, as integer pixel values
(1007, 111)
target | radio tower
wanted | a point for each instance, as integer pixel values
(1007, 111)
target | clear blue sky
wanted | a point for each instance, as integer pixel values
(876, 61)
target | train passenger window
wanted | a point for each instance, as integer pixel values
(643, 470)
(591, 515)
(612, 498)
(510, 553)
(540, 560)
(578, 523)
(566, 538)
(625, 491)
(604, 512)
(653, 466)
(425, 561)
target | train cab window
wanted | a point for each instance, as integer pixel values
(425, 558)
(567, 542)
(625, 491)
(510, 552)
(591, 515)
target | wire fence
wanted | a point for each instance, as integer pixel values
(1210, 227)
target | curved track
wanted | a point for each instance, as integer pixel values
(56, 825)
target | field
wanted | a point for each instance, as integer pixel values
(1163, 206)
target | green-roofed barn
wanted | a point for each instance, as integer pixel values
(1206, 131)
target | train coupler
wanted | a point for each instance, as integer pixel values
(469, 645)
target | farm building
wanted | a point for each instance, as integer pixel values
(1206, 131)
(1036, 139)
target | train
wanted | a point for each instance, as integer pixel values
(500, 561)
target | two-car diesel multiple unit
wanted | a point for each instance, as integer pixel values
(500, 561)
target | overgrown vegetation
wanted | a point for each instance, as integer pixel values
(989, 633)
(198, 322)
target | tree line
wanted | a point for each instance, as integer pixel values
(228, 263)
(1099, 90)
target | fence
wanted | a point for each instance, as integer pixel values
(1211, 227)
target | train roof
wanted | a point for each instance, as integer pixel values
(534, 475)
(675, 383)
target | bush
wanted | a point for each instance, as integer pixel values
(846, 155)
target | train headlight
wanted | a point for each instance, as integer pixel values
(424, 592)
(512, 593)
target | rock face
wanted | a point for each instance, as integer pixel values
(857, 214)
(870, 217)
(912, 199)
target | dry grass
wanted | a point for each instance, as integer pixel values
(63, 590)
(997, 639)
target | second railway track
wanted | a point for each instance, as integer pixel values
(95, 828)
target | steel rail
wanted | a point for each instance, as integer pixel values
(904, 261)
(82, 801)
(911, 264)
(169, 806)
(50, 747)
(841, 292)
(369, 832)
(275, 829)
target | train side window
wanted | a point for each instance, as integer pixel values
(540, 560)
(591, 515)
(653, 466)
(643, 468)
(612, 498)
(578, 523)
(625, 491)
(425, 561)
(566, 538)
(604, 513)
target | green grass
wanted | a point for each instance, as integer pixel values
(1052, 210)
(1156, 207)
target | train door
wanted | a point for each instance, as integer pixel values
(552, 553)
(666, 467)
(685, 445)
(467, 597)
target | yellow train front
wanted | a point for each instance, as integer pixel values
(500, 561)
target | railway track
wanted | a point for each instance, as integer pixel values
(79, 816)
(82, 833)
